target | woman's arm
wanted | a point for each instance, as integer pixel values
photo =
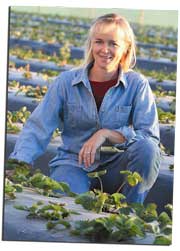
(144, 125)
(38, 130)
(88, 151)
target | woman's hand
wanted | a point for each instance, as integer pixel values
(88, 151)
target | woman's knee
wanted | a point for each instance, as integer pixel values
(145, 158)
(145, 149)
(75, 177)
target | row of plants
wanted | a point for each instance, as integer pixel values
(15, 121)
(38, 93)
(48, 76)
(154, 53)
(123, 221)
(60, 61)
(166, 117)
(50, 36)
(151, 53)
(24, 72)
(145, 33)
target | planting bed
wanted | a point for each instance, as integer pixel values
(35, 229)
(37, 79)
(38, 73)
(76, 52)
(39, 66)
(149, 34)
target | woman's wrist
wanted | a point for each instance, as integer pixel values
(112, 136)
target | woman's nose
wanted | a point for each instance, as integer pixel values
(105, 47)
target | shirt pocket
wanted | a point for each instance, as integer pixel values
(72, 114)
(121, 115)
(81, 117)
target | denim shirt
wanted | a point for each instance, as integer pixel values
(128, 108)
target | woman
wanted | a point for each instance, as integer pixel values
(102, 103)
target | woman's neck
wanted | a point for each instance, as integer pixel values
(101, 75)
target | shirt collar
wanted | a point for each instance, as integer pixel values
(82, 77)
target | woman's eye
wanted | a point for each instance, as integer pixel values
(98, 42)
(114, 44)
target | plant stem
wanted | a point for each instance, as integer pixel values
(120, 187)
(101, 185)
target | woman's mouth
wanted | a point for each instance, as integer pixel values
(106, 58)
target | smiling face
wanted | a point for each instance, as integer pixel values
(108, 47)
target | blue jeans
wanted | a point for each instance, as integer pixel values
(142, 156)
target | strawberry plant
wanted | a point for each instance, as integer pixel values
(65, 53)
(11, 189)
(158, 75)
(55, 213)
(37, 92)
(125, 222)
(165, 117)
(159, 92)
(13, 84)
(15, 117)
(27, 74)
(99, 201)
(21, 173)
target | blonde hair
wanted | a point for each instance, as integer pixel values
(129, 59)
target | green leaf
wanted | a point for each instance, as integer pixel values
(118, 197)
(162, 240)
(150, 212)
(138, 208)
(151, 207)
(9, 189)
(102, 197)
(126, 172)
(40, 203)
(21, 207)
(167, 230)
(18, 188)
(44, 182)
(65, 187)
(152, 228)
(87, 200)
(125, 210)
(169, 207)
(132, 181)
(164, 219)
(66, 224)
(50, 225)
(135, 226)
(137, 176)
(97, 174)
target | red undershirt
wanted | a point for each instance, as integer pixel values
(99, 89)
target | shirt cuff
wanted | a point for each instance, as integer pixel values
(21, 157)
(129, 135)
